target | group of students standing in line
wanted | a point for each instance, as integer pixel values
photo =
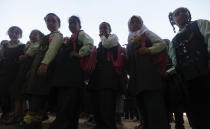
(52, 62)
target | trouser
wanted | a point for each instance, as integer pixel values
(5, 102)
(179, 120)
(37, 107)
(198, 101)
(105, 109)
(152, 106)
(37, 103)
(67, 116)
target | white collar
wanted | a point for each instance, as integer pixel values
(109, 42)
(137, 33)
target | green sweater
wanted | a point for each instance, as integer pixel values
(157, 43)
(87, 43)
(32, 49)
(53, 49)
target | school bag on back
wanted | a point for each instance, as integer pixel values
(87, 63)
(159, 60)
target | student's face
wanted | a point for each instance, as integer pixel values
(180, 17)
(104, 30)
(34, 36)
(14, 34)
(135, 24)
(74, 25)
(52, 23)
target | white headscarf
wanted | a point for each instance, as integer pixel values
(139, 32)
(109, 42)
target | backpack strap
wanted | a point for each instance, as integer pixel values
(119, 62)
(51, 37)
(74, 38)
(143, 41)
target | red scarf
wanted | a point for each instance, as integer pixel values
(119, 62)
(74, 40)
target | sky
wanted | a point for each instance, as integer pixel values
(29, 15)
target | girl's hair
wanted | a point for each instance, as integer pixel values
(170, 16)
(106, 23)
(77, 19)
(40, 33)
(17, 28)
(59, 21)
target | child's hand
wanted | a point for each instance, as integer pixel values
(104, 34)
(144, 50)
(22, 57)
(66, 39)
(42, 70)
(74, 54)
(136, 39)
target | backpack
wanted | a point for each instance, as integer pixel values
(87, 63)
(160, 59)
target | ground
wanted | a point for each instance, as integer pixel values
(128, 124)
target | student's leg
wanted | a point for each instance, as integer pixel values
(179, 120)
(33, 119)
(198, 103)
(105, 114)
(6, 107)
(38, 103)
(153, 109)
(18, 112)
(69, 100)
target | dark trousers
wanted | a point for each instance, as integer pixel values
(131, 109)
(67, 115)
(105, 108)
(37, 103)
(179, 120)
(5, 103)
(198, 102)
(152, 106)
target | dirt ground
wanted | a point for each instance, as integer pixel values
(128, 124)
